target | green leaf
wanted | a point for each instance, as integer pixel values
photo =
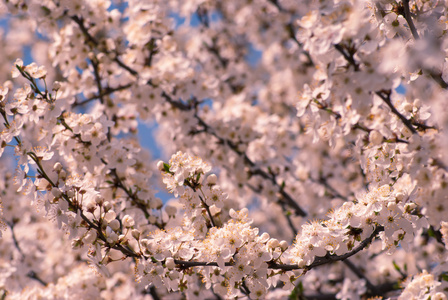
(396, 267)
(167, 167)
(444, 276)
(431, 232)
(294, 294)
(46, 10)
(297, 292)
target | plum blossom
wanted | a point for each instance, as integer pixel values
(308, 148)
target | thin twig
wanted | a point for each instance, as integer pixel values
(33, 275)
(14, 238)
(386, 98)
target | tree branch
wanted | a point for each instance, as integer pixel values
(407, 16)
(319, 261)
(386, 98)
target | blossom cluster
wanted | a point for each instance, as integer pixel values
(324, 122)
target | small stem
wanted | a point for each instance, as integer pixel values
(14, 238)
(207, 208)
(33, 275)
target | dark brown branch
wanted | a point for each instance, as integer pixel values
(348, 56)
(91, 39)
(84, 30)
(207, 208)
(407, 16)
(14, 238)
(384, 95)
(285, 196)
(106, 91)
(319, 261)
(386, 98)
(406, 13)
(438, 78)
(292, 35)
(33, 275)
(153, 292)
(290, 223)
(254, 169)
(96, 72)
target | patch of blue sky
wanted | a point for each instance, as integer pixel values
(178, 20)
(206, 102)
(120, 5)
(401, 89)
(146, 136)
(4, 23)
(194, 19)
(253, 56)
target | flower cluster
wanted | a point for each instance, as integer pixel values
(422, 286)
(325, 123)
(183, 170)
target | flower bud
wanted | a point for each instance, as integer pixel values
(135, 234)
(439, 296)
(301, 263)
(160, 165)
(112, 238)
(170, 263)
(90, 237)
(57, 167)
(391, 206)
(56, 85)
(375, 137)
(157, 203)
(417, 103)
(76, 244)
(107, 206)
(170, 210)
(56, 192)
(109, 216)
(408, 107)
(90, 206)
(62, 175)
(122, 239)
(114, 224)
(399, 196)
(212, 179)
(273, 243)
(283, 245)
(264, 237)
(128, 221)
(409, 207)
(144, 243)
(406, 132)
(99, 200)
